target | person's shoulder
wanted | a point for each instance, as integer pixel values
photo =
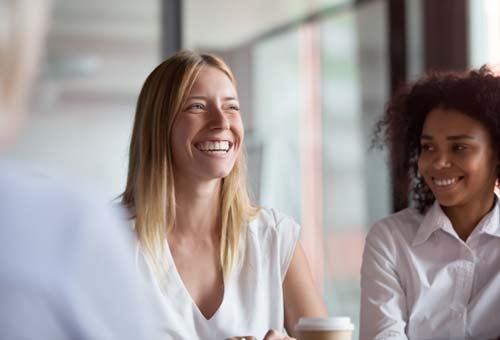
(274, 232)
(402, 218)
(47, 217)
(15, 178)
(35, 187)
(29, 197)
(402, 224)
(271, 219)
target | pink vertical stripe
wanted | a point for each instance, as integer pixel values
(311, 150)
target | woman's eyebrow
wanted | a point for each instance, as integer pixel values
(203, 97)
(457, 137)
(453, 137)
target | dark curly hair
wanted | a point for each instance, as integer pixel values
(476, 93)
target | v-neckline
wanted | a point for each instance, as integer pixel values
(183, 287)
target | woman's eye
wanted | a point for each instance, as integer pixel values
(459, 147)
(195, 107)
(232, 107)
(426, 147)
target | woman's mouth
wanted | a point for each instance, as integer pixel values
(214, 147)
(446, 182)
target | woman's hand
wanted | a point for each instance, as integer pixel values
(270, 335)
(275, 335)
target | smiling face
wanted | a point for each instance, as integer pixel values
(457, 159)
(208, 132)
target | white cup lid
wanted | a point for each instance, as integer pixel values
(342, 323)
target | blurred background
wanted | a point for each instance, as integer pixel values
(313, 75)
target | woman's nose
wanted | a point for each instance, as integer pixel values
(219, 120)
(441, 161)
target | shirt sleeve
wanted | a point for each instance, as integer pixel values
(288, 236)
(383, 299)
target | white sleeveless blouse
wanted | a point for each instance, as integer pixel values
(253, 296)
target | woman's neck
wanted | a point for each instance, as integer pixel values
(197, 207)
(465, 218)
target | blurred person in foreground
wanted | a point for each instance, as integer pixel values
(432, 271)
(221, 267)
(66, 265)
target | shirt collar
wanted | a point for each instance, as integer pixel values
(436, 219)
(490, 224)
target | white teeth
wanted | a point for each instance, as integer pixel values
(445, 182)
(214, 146)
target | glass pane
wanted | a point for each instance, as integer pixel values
(276, 122)
(98, 56)
(355, 181)
(484, 32)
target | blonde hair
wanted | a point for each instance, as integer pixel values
(22, 29)
(150, 192)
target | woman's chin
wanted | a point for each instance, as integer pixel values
(217, 174)
(448, 201)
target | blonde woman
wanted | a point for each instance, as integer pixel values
(222, 267)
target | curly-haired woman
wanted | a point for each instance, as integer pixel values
(432, 271)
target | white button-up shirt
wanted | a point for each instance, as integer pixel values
(419, 280)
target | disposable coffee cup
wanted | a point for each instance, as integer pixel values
(333, 328)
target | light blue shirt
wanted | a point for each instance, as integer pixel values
(67, 267)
